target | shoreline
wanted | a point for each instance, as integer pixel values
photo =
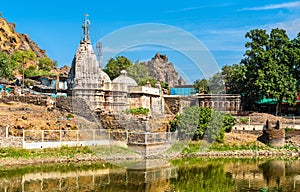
(208, 154)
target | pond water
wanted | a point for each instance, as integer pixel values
(151, 175)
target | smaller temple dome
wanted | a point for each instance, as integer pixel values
(123, 78)
(104, 76)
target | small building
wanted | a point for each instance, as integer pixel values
(222, 102)
(48, 84)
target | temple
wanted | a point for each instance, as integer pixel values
(88, 81)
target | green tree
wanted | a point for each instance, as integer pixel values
(115, 66)
(139, 73)
(19, 59)
(235, 78)
(270, 66)
(5, 66)
(31, 71)
(295, 59)
(216, 84)
(201, 86)
(45, 64)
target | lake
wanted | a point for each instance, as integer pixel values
(193, 174)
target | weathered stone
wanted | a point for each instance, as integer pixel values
(273, 135)
(162, 70)
(11, 41)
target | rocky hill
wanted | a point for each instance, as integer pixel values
(162, 70)
(11, 41)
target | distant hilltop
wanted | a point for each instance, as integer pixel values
(162, 70)
(11, 41)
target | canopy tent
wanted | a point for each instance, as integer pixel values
(267, 101)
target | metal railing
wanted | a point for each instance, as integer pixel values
(64, 135)
(33, 138)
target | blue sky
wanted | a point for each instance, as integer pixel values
(219, 25)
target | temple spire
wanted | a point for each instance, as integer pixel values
(86, 29)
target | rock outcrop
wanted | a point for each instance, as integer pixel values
(162, 70)
(11, 41)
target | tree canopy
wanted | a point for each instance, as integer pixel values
(140, 74)
(214, 85)
(270, 69)
(116, 65)
(270, 62)
(11, 65)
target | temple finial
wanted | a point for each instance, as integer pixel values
(86, 28)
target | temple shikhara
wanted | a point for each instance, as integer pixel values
(87, 80)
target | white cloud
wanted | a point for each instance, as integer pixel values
(274, 6)
(292, 27)
(186, 9)
(198, 7)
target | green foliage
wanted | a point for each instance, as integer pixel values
(145, 81)
(19, 61)
(57, 152)
(115, 66)
(235, 147)
(244, 120)
(139, 73)
(5, 67)
(202, 86)
(235, 78)
(271, 64)
(70, 115)
(198, 123)
(216, 84)
(45, 64)
(138, 111)
(31, 71)
(229, 122)
(164, 85)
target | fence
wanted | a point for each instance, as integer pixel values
(58, 138)
(258, 122)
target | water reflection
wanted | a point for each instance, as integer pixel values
(152, 175)
(146, 175)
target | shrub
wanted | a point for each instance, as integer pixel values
(202, 123)
(244, 120)
(138, 111)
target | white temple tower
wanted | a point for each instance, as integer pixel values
(86, 79)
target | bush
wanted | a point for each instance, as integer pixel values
(138, 111)
(202, 123)
(244, 120)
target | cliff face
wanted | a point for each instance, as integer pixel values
(162, 70)
(11, 41)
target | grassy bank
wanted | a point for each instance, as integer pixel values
(9, 156)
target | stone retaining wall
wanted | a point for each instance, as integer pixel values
(16, 142)
(30, 99)
(63, 103)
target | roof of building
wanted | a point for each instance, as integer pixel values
(123, 78)
(104, 76)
